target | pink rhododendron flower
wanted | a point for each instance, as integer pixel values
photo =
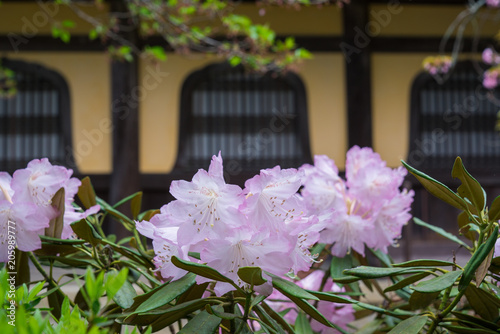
(247, 248)
(206, 207)
(367, 209)
(267, 228)
(39, 182)
(26, 201)
(322, 184)
(272, 197)
(25, 221)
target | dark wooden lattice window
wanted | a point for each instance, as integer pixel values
(257, 121)
(455, 118)
(35, 122)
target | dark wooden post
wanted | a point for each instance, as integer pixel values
(356, 49)
(124, 110)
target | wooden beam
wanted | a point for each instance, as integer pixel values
(125, 97)
(356, 49)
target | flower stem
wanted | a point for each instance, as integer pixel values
(51, 282)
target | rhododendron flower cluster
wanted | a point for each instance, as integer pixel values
(264, 225)
(336, 313)
(25, 201)
(366, 209)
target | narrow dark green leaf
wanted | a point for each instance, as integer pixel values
(330, 297)
(251, 275)
(411, 325)
(196, 291)
(339, 264)
(407, 281)
(477, 258)
(377, 272)
(275, 316)
(440, 231)
(135, 204)
(85, 231)
(420, 300)
(483, 303)
(86, 193)
(478, 321)
(178, 312)
(164, 294)
(56, 224)
(202, 270)
(439, 283)
(467, 330)
(494, 210)
(271, 325)
(202, 323)
(302, 325)
(290, 288)
(470, 188)
(424, 263)
(219, 312)
(437, 189)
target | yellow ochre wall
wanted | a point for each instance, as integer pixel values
(88, 77)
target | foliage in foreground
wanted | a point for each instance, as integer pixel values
(122, 283)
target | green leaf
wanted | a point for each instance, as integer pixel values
(494, 210)
(441, 232)
(437, 189)
(125, 296)
(85, 231)
(135, 204)
(439, 283)
(470, 188)
(410, 325)
(407, 281)
(466, 330)
(339, 264)
(202, 323)
(202, 270)
(68, 24)
(264, 310)
(56, 225)
(420, 300)
(477, 258)
(251, 275)
(302, 325)
(289, 288)
(470, 319)
(483, 303)
(86, 193)
(424, 263)
(164, 294)
(376, 272)
(235, 61)
(114, 281)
